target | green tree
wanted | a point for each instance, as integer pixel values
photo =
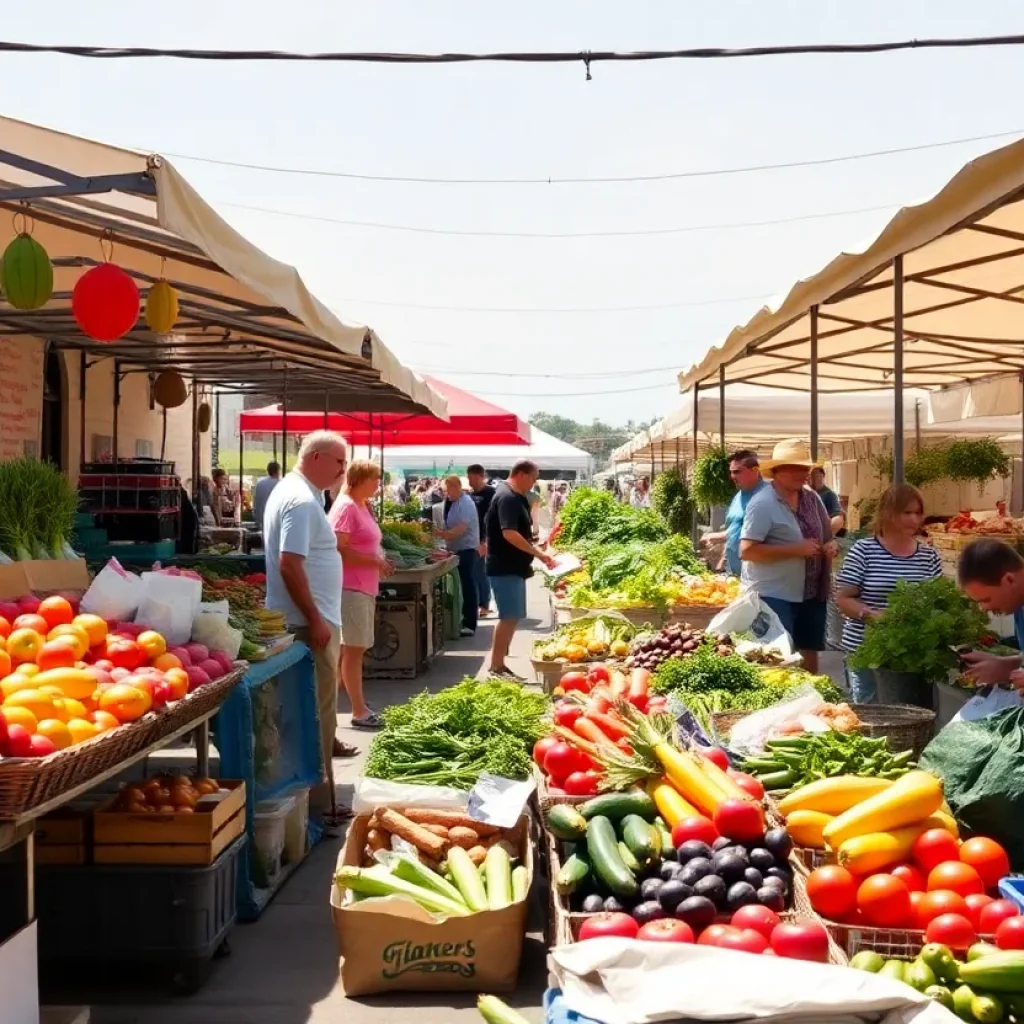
(596, 437)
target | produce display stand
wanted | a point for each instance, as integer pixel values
(698, 615)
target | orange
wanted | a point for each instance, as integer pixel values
(23, 645)
(3, 642)
(57, 611)
(34, 622)
(165, 662)
(82, 730)
(5, 663)
(73, 682)
(13, 683)
(32, 700)
(5, 627)
(125, 703)
(95, 628)
(59, 653)
(103, 720)
(71, 630)
(177, 681)
(56, 732)
(152, 643)
(19, 716)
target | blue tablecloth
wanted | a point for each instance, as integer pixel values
(556, 1012)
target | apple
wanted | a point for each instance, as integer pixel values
(196, 677)
(9, 610)
(119, 674)
(41, 746)
(161, 694)
(99, 674)
(29, 604)
(182, 655)
(19, 741)
(103, 663)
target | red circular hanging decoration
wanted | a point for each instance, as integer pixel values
(105, 302)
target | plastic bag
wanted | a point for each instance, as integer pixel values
(115, 593)
(748, 735)
(981, 764)
(988, 702)
(213, 630)
(369, 794)
(749, 614)
(169, 605)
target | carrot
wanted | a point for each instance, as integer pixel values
(619, 684)
(598, 704)
(613, 729)
(592, 731)
(450, 819)
(438, 830)
(399, 825)
(376, 840)
(467, 838)
(639, 681)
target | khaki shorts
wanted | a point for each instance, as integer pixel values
(358, 611)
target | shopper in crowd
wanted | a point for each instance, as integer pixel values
(359, 541)
(559, 496)
(830, 500)
(510, 554)
(482, 494)
(869, 574)
(262, 490)
(641, 493)
(745, 472)
(787, 549)
(304, 579)
(461, 534)
(992, 573)
(225, 503)
(536, 502)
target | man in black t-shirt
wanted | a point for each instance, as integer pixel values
(510, 555)
(482, 494)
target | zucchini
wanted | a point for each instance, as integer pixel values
(632, 864)
(498, 872)
(565, 822)
(520, 884)
(574, 873)
(616, 806)
(778, 780)
(467, 879)
(603, 847)
(998, 972)
(643, 840)
(494, 1011)
(666, 838)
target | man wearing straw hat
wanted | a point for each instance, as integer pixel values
(787, 548)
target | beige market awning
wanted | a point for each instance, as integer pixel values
(246, 320)
(960, 260)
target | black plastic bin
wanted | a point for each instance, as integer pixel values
(159, 467)
(141, 526)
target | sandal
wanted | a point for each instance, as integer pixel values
(344, 749)
(370, 721)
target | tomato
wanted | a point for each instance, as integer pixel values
(801, 940)
(581, 783)
(760, 919)
(988, 858)
(832, 891)
(913, 876)
(976, 903)
(566, 714)
(598, 674)
(716, 755)
(574, 682)
(884, 901)
(745, 941)
(694, 828)
(747, 783)
(560, 762)
(938, 902)
(933, 847)
(1010, 933)
(666, 930)
(952, 930)
(916, 898)
(961, 878)
(598, 926)
(714, 933)
(993, 914)
(742, 820)
(541, 747)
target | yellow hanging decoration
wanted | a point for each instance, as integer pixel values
(161, 308)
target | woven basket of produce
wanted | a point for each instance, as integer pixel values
(723, 721)
(697, 615)
(905, 726)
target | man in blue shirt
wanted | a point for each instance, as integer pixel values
(746, 475)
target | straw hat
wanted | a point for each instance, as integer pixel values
(789, 453)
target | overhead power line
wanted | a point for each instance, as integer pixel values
(606, 180)
(584, 57)
(599, 375)
(576, 394)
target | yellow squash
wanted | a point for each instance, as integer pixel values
(683, 770)
(942, 819)
(805, 828)
(726, 784)
(832, 796)
(909, 800)
(672, 806)
(876, 851)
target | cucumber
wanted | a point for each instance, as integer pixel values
(666, 838)
(632, 864)
(520, 884)
(494, 1011)
(603, 847)
(616, 806)
(998, 972)
(574, 873)
(642, 839)
(565, 822)
(778, 780)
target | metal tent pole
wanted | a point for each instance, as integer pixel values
(695, 534)
(1021, 443)
(83, 367)
(117, 405)
(327, 407)
(917, 424)
(195, 449)
(284, 423)
(241, 451)
(897, 369)
(814, 383)
(721, 406)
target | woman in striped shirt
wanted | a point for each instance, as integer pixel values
(872, 569)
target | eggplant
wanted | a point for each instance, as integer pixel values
(761, 858)
(697, 911)
(593, 904)
(754, 877)
(649, 910)
(700, 865)
(772, 897)
(693, 848)
(779, 843)
(650, 887)
(670, 869)
(720, 844)
(740, 895)
(613, 906)
(713, 888)
(672, 894)
(729, 866)
(774, 882)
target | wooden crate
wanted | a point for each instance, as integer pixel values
(63, 836)
(123, 838)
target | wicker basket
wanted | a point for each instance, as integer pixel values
(546, 799)
(195, 705)
(640, 617)
(723, 721)
(697, 615)
(549, 673)
(905, 726)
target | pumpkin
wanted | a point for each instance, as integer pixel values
(204, 416)
(161, 308)
(26, 275)
(105, 302)
(169, 390)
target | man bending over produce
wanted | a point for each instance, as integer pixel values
(992, 573)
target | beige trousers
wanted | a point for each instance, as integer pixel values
(325, 668)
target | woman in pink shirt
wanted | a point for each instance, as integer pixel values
(363, 563)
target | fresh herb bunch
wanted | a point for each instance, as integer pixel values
(448, 738)
(670, 498)
(712, 484)
(706, 670)
(583, 513)
(37, 510)
(921, 624)
(979, 460)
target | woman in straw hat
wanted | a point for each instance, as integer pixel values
(787, 548)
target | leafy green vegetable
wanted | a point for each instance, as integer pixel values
(596, 516)
(712, 484)
(826, 754)
(920, 625)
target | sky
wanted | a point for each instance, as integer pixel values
(588, 327)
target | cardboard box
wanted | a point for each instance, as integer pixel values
(396, 946)
(123, 838)
(19, 578)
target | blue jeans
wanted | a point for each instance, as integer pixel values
(468, 562)
(483, 584)
(863, 684)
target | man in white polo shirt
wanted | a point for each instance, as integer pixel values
(304, 577)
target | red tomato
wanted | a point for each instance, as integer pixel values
(953, 930)
(541, 747)
(993, 914)
(742, 820)
(598, 674)
(716, 755)
(598, 926)
(801, 940)
(976, 903)
(566, 714)
(913, 876)
(560, 762)
(747, 783)
(832, 891)
(938, 902)
(988, 858)
(581, 783)
(574, 682)
(745, 941)
(961, 878)
(1010, 933)
(694, 828)
(714, 933)
(916, 898)
(761, 919)
(884, 901)
(666, 930)
(933, 847)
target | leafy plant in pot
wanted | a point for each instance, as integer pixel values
(712, 485)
